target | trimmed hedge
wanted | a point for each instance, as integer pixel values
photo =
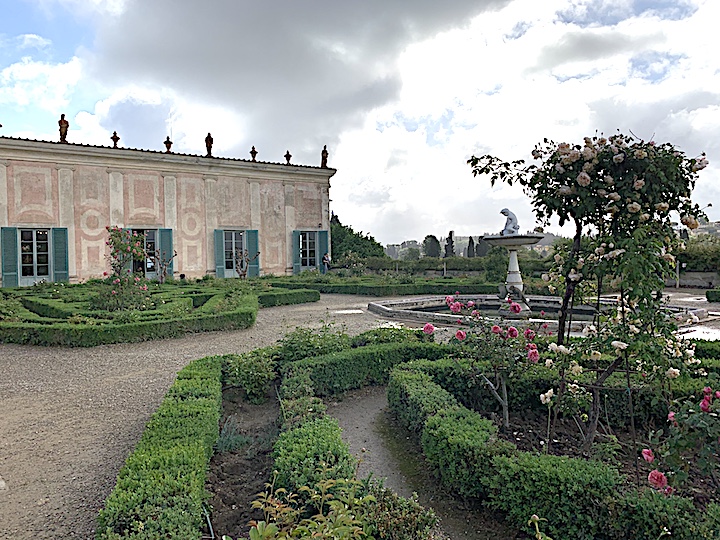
(713, 295)
(161, 488)
(90, 335)
(285, 297)
(312, 452)
(390, 289)
(339, 372)
(413, 397)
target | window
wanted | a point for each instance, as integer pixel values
(308, 253)
(228, 243)
(234, 253)
(33, 255)
(146, 267)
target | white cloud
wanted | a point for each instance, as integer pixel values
(29, 83)
(32, 41)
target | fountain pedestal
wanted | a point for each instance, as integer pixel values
(513, 281)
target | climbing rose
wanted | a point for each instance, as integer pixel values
(648, 455)
(460, 335)
(657, 479)
(428, 329)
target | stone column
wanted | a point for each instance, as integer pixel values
(3, 194)
(66, 214)
(117, 201)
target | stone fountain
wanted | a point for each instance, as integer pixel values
(511, 239)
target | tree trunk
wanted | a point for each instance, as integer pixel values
(569, 287)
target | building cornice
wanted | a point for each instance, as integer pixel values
(65, 155)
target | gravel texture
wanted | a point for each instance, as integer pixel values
(70, 417)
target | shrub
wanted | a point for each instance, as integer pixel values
(461, 445)
(413, 397)
(253, 371)
(310, 453)
(300, 410)
(393, 517)
(567, 492)
(305, 342)
(390, 335)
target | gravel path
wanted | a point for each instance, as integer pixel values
(70, 417)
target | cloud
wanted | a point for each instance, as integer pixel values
(298, 73)
(28, 83)
(32, 41)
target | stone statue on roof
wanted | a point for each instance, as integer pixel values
(324, 157)
(208, 145)
(64, 126)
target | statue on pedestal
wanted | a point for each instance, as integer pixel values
(64, 126)
(511, 224)
(208, 145)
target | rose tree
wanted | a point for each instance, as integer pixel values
(619, 192)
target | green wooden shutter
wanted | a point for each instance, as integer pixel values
(322, 248)
(60, 254)
(219, 253)
(165, 245)
(252, 245)
(296, 252)
(9, 251)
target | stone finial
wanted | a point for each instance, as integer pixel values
(253, 153)
(115, 138)
(64, 126)
(168, 144)
(208, 145)
(287, 157)
(323, 157)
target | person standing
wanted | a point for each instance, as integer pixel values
(326, 263)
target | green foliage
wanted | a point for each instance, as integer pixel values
(386, 286)
(392, 517)
(413, 397)
(461, 445)
(339, 372)
(567, 492)
(254, 371)
(285, 297)
(231, 437)
(701, 254)
(642, 515)
(302, 409)
(344, 241)
(125, 247)
(310, 453)
(305, 342)
(431, 246)
(390, 335)
(161, 489)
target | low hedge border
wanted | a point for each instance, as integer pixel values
(577, 497)
(90, 335)
(286, 297)
(161, 489)
(392, 289)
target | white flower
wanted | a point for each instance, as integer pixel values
(553, 347)
(558, 259)
(563, 148)
(672, 373)
(638, 184)
(609, 180)
(559, 168)
(588, 153)
(574, 276)
(662, 207)
(549, 363)
(669, 257)
(618, 158)
(573, 388)
(589, 330)
(583, 179)
(619, 345)
(547, 397)
(564, 190)
(595, 355)
(562, 349)
(575, 368)
(614, 196)
(689, 352)
(644, 217)
(700, 164)
(634, 208)
(640, 153)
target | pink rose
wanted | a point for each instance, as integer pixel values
(647, 455)
(668, 490)
(460, 335)
(475, 313)
(456, 307)
(671, 416)
(495, 329)
(657, 479)
(470, 304)
(533, 356)
(705, 405)
(428, 329)
(529, 334)
(449, 300)
(542, 313)
(515, 307)
(717, 394)
(114, 292)
(707, 390)
(512, 332)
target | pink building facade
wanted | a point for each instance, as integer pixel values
(56, 201)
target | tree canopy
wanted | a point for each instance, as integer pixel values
(344, 240)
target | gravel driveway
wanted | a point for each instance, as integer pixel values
(70, 417)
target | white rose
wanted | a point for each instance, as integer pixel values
(672, 373)
(634, 208)
(549, 363)
(619, 345)
(595, 355)
(638, 184)
(583, 179)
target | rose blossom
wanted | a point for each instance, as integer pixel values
(672, 373)
(671, 416)
(533, 355)
(648, 455)
(618, 158)
(456, 307)
(657, 479)
(512, 332)
(529, 334)
(428, 329)
(634, 208)
(619, 345)
(495, 329)
(705, 405)
(549, 363)
(460, 335)
(583, 179)
(515, 307)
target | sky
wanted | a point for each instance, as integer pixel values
(402, 93)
